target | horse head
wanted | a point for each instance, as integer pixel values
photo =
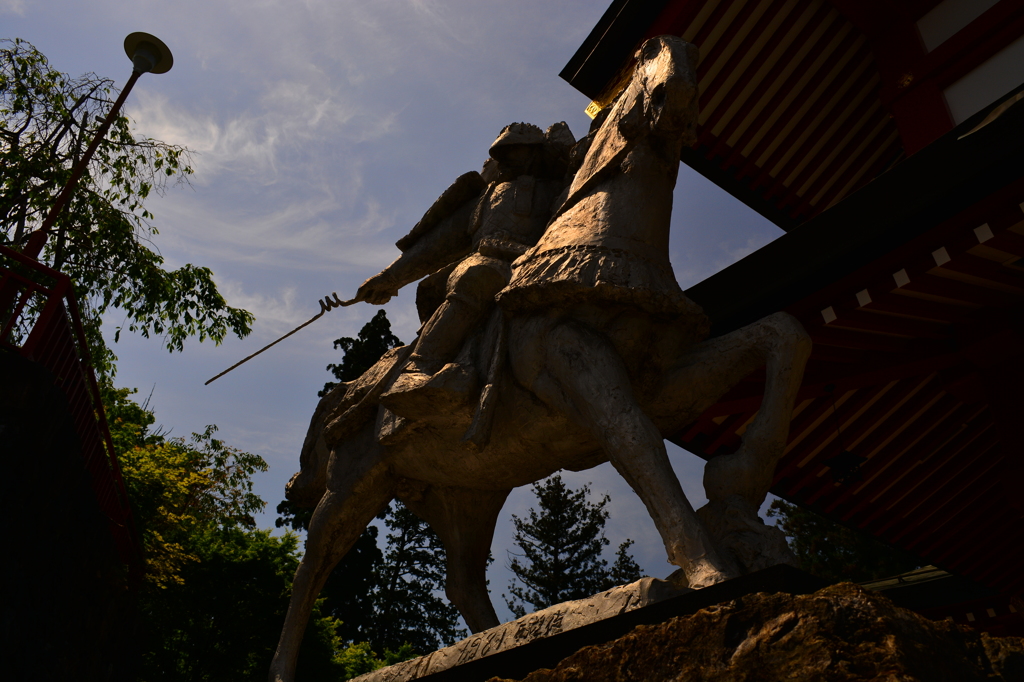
(660, 100)
(664, 87)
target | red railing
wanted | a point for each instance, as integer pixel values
(56, 340)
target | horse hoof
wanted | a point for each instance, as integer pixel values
(702, 573)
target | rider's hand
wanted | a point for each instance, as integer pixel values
(377, 290)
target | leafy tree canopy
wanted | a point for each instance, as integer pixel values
(222, 622)
(561, 547)
(103, 239)
(177, 486)
(834, 552)
(216, 589)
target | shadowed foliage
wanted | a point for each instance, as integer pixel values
(834, 552)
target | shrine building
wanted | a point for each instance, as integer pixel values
(887, 140)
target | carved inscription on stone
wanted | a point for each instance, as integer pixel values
(534, 626)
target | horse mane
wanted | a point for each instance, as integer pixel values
(610, 145)
(623, 129)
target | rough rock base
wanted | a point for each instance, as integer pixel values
(839, 634)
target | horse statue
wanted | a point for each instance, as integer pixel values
(593, 353)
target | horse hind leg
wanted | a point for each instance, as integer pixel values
(586, 379)
(344, 511)
(464, 520)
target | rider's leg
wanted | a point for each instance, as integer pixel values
(471, 289)
(422, 389)
(464, 519)
(584, 377)
(359, 488)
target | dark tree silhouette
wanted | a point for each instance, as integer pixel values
(561, 549)
(360, 353)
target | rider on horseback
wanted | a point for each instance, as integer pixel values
(471, 248)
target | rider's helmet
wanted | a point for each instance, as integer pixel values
(516, 133)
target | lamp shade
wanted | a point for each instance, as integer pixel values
(152, 49)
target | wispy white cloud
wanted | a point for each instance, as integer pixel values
(735, 253)
(12, 7)
(278, 312)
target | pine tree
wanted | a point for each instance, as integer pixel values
(625, 569)
(408, 608)
(562, 547)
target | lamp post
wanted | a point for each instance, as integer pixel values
(148, 54)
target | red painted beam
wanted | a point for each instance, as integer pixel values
(855, 77)
(717, 53)
(675, 18)
(888, 156)
(850, 317)
(966, 292)
(753, 69)
(738, 56)
(725, 432)
(896, 459)
(860, 512)
(827, 429)
(875, 417)
(972, 485)
(712, 23)
(980, 523)
(886, 300)
(809, 62)
(848, 338)
(832, 172)
(851, 122)
(791, 113)
(938, 471)
(882, 430)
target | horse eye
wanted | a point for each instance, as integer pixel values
(650, 50)
(658, 96)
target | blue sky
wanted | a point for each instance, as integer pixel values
(323, 130)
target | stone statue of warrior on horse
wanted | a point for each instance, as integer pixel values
(555, 336)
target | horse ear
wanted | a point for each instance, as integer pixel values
(693, 55)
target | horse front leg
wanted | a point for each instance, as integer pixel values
(736, 484)
(585, 378)
(781, 340)
(355, 495)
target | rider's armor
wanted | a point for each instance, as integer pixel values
(508, 219)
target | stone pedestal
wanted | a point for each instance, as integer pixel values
(542, 639)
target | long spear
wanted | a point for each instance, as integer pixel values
(325, 305)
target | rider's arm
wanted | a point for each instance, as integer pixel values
(446, 243)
